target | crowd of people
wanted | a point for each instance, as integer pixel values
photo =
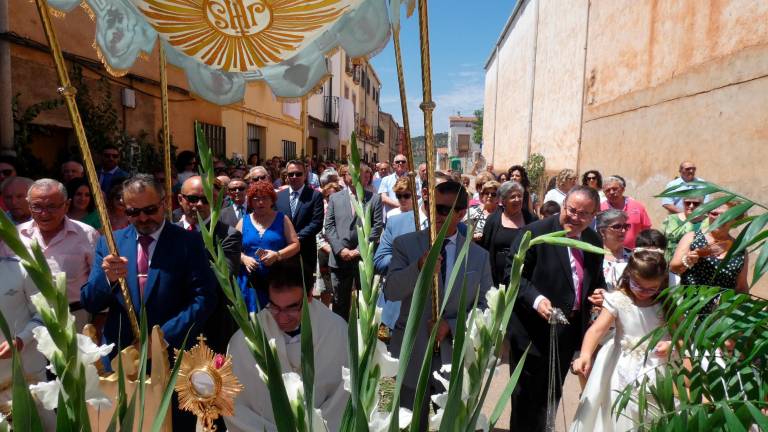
(288, 228)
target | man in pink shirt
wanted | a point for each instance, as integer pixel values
(637, 217)
(68, 245)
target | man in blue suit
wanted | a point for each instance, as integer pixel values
(164, 266)
(395, 227)
(304, 206)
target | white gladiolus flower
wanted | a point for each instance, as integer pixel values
(47, 393)
(379, 421)
(294, 388)
(387, 364)
(87, 354)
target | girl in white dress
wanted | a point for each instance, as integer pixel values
(634, 311)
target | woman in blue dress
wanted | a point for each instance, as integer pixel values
(268, 237)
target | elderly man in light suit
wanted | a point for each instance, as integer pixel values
(408, 254)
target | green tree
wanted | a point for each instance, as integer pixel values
(24, 129)
(477, 136)
(97, 111)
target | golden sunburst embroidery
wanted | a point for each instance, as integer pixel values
(240, 35)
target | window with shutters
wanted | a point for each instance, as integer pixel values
(215, 137)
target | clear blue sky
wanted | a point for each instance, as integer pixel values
(462, 37)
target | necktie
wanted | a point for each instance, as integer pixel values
(240, 211)
(578, 258)
(443, 262)
(142, 262)
(294, 202)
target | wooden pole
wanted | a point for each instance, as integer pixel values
(68, 92)
(427, 106)
(166, 134)
(406, 127)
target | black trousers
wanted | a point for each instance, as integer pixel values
(529, 399)
(344, 280)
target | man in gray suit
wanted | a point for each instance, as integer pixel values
(409, 252)
(341, 224)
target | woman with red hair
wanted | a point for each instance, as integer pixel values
(268, 237)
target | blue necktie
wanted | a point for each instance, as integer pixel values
(294, 202)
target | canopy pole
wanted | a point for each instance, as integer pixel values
(304, 125)
(427, 106)
(166, 134)
(68, 92)
(408, 150)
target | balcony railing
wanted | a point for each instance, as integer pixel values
(331, 109)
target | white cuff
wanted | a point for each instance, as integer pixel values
(537, 301)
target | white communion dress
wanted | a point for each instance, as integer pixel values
(617, 365)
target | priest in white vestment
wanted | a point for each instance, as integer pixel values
(281, 321)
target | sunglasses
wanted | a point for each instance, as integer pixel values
(490, 194)
(400, 162)
(620, 227)
(7, 172)
(295, 174)
(258, 178)
(148, 210)
(590, 178)
(194, 199)
(692, 203)
(237, 189)
(444, 210)
(403, 196)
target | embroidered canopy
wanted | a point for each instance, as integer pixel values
(222, 44)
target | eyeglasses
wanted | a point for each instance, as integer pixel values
(403, 196)
(579, 214)
(620, 227)
(38, 209)
(258, 178)
(634, 286)
(292, 309)
(295, 174)
(490, 194)
(194, 199)
(261, 198)
(237, 189)
(7, 172)
(444, 210)
(691, 203)
(689, 169)
(399, 162)
(148, 210)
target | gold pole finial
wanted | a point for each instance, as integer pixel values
(68, 92)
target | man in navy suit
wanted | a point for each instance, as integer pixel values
(304, 206)
(165, 268)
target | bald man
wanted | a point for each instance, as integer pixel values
(687, 172)
(220, 326)
(14, 190)
(71, 170)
